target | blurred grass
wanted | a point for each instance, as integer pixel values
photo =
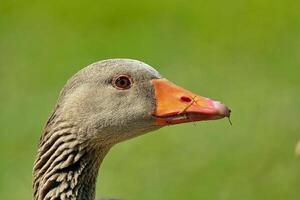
(245, 53)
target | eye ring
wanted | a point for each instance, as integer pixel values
(122, 82)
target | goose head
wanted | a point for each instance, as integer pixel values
(103, 104)
(115, 100)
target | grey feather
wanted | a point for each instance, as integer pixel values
(89, 118)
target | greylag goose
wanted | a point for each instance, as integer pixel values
(103, 104)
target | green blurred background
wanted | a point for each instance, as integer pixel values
(244, 53)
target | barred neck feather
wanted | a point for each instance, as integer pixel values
(66, 167)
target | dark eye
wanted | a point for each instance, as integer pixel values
(122, 82)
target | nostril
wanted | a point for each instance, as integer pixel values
(186, 99)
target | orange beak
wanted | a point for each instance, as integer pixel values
(176, 105)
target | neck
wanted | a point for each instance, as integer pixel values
(65, 168)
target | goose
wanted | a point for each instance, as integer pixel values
(103, 104)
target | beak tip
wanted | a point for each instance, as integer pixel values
(223, 110)
(227, 112)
